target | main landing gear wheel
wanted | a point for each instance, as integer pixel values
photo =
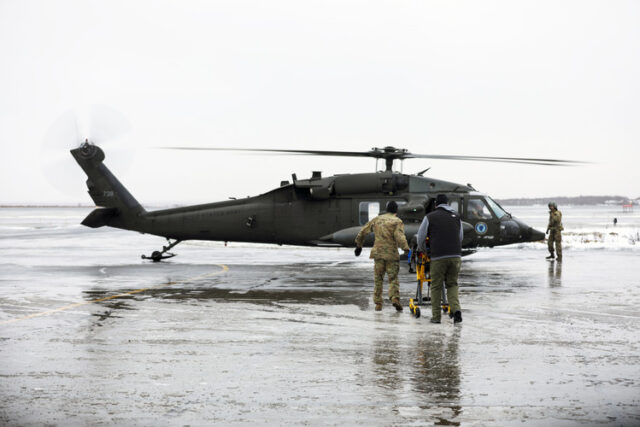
(157, 256)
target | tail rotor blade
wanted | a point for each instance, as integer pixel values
(106, 125)
(96, 124)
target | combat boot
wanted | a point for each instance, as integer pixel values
(434, 320)
(378, 307)
(397, 305)
(457, 317)
(550, 256)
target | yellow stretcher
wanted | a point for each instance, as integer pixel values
(422, 274)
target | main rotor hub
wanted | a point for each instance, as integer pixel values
(389, 154)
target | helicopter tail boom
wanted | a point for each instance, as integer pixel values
(118, 207)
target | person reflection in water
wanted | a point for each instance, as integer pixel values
(429, 369)
(555, 275)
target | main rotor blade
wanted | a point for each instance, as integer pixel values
(276, 151)
(522, 160)
(394, 154)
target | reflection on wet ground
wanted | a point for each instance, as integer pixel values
(276, 342)
(555, 274)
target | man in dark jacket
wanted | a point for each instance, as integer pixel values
(444, 229)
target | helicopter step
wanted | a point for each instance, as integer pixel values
(157, 256)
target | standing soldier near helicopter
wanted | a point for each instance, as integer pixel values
(554, 230)
(389, 235)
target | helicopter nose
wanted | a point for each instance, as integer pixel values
(529, 234)
(517, 231)
(535, 235)
(509, 230)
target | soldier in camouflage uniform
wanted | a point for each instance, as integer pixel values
(554, 230)
(389, 235)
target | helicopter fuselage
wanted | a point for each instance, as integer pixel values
(330, 212)
(310, 212)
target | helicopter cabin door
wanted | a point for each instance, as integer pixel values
(486, 226)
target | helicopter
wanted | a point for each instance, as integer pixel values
(316, 211)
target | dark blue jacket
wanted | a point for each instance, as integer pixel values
(443, 226)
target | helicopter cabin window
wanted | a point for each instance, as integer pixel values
(496, 208)
(455, 205)
(368, 211)
(477, 209)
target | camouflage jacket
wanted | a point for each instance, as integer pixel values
(555, 221)
(389, 235)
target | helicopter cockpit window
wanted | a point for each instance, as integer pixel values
(368, 211)
(478, 210)
(496, 208)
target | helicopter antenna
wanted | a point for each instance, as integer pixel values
(422, 172)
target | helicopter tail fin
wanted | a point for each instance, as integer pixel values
(105, 190)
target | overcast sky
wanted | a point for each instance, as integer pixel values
(553, 79)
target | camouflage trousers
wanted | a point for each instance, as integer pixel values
(555, 237)
(444, 271)
(382, 266)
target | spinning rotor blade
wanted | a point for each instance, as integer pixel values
(392, 153)
(522, 160)
(277, 151)
(98, 124)
(106, 126)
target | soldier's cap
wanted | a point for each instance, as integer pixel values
(553, 205)
(442, 199)
(392, 207)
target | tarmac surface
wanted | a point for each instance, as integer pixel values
(249, 334)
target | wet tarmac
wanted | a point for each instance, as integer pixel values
(248, 334)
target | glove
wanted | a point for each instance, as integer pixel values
(547, 231)
(358, 251)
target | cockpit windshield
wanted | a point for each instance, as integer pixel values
(497, 210)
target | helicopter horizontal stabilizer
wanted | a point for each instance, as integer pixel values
(99, 217)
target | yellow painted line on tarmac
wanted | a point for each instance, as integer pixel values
(223, 267)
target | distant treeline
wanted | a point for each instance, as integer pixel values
(579, 200)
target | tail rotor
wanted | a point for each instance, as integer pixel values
(97, 124)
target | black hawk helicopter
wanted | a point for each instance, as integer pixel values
(318, 211)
